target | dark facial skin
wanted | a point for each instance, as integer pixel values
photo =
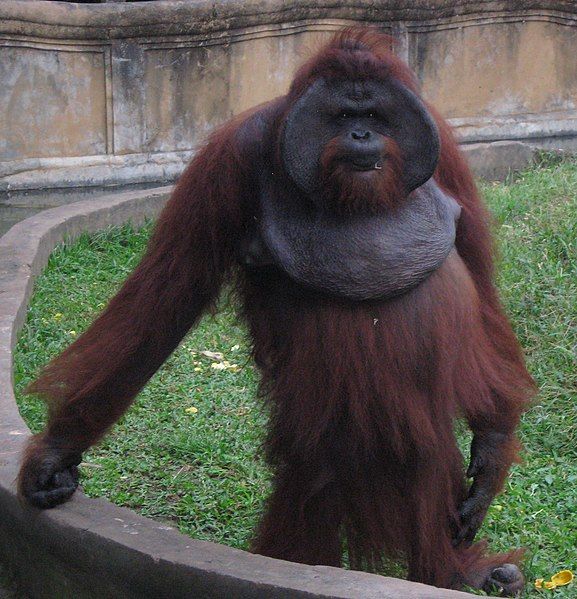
(349, 244)
(356, 119)
(361, 125)
(363, 148)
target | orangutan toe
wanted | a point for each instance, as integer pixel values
(507, 580)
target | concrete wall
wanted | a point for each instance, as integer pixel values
(111, 93)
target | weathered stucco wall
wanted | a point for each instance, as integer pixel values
(110, 93)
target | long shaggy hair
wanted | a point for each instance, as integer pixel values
(362, 395)
(363, 399)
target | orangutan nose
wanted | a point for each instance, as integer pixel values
(361, 135)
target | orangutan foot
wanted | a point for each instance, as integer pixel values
(507, 580)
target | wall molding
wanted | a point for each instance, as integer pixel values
(109, 21)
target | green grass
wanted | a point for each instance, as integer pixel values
(200, 469)
(195, 468)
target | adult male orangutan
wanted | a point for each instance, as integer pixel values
(362, 257)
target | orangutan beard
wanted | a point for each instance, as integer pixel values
(347, 190)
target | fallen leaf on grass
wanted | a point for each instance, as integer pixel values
(213, 355)
(225, 365)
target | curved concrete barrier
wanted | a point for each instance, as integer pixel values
(124, 92)
(90, 548)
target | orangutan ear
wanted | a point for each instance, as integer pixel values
(404, 117)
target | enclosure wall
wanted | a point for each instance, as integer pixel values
(121, 93)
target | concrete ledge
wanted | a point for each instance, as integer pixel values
(90, 548)
(92, 171)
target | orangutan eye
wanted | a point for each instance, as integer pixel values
(345, 115)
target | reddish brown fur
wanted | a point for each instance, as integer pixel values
(362, 395)
(347, 191)
(93, 382)
(363, 434)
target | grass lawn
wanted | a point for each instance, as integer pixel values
(188, 451)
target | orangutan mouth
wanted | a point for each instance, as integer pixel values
(367, 165)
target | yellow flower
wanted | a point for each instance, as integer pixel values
(557, 580)
(191, 410)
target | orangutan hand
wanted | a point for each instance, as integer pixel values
(49, 475)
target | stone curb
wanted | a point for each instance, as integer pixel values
(90, 548)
